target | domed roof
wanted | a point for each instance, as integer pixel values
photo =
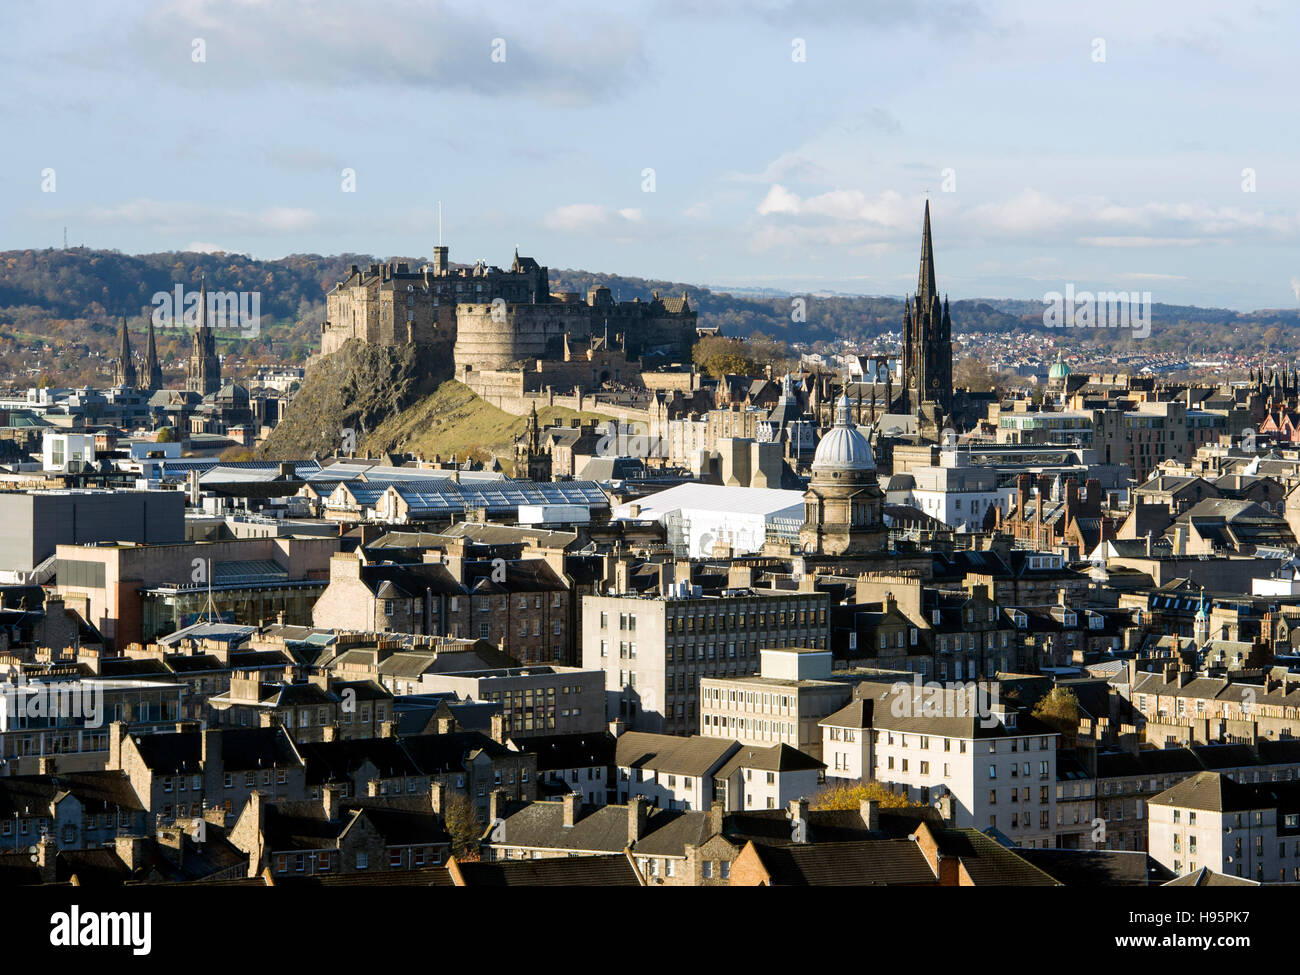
(1059, 368)
(844, 448)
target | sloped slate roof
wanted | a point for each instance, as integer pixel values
(593, 871)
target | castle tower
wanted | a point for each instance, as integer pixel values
(844, 505)
(203, 372)
(124, 374)
(153, 370)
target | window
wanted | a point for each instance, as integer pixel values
(363, 861)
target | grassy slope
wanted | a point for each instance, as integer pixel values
(453, 419)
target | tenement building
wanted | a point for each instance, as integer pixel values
(655, 650)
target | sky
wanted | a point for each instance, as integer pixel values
(1112, 146)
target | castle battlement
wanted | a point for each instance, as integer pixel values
(489, 319)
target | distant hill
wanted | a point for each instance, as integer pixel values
(58, 310)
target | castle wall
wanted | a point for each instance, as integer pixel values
(523, 334)
(488, 338)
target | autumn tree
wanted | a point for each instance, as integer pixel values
(973, 374)
(1059, 710)
(164, 435)
(463, 823)
(852, 797)
(720, 356)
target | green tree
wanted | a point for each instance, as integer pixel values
(165, 435)
(1059, 709)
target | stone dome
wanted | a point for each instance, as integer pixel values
(844, 448)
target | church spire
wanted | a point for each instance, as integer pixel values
(125, 363)
(151, 364)
(203, 373)
(925, 284)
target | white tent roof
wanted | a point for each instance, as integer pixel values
(713, 497)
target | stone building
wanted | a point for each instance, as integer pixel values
(844, 505)
(655, 650)
(491, 319)
(522, 605)
(181, 773)
(532, 462)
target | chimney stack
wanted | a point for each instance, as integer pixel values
(572, 809)
(870, 811)
(799, 818)
(497, 805)
(637, 814)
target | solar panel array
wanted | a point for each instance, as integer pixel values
(431, 500)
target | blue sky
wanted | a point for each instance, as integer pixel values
(1122, 173)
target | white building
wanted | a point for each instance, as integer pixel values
(997, 765)
(955, 492)
(769, 778)
(782, 705)
(59, 451)
(846, 743)
(700, 516)
(669, 771)
(1246, 831)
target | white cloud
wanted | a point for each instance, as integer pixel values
(590, 217)
(442, 46)
(1029, 216)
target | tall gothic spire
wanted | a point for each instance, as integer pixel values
(125, 363)
(152, 367)
(925, 283)
(203, 373)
